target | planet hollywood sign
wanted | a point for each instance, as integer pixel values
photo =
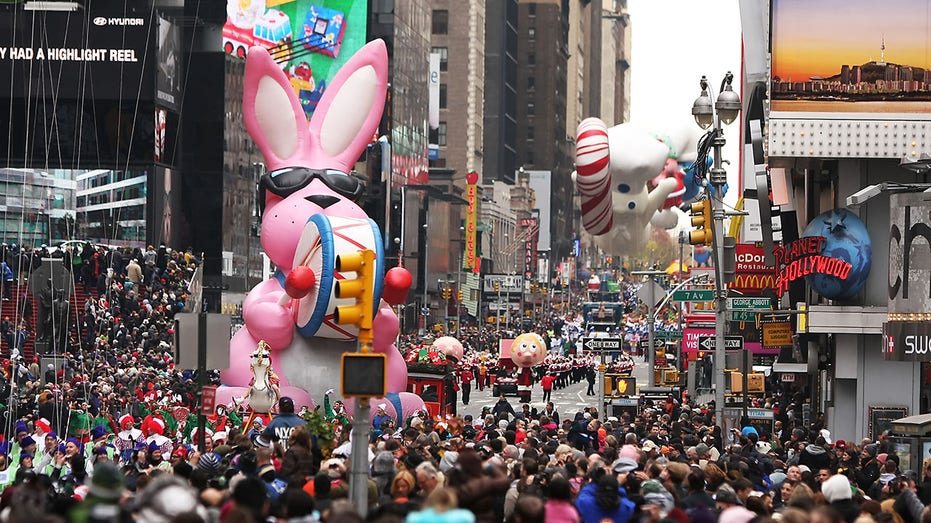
(803, 257)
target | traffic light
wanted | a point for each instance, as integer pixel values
(446, 293)
(460, 295)
(497, 287)
(701, 220)
(361, 288)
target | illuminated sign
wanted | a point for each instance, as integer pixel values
(530, 245)
(803, 257)
(907, 341)
(753, 275)
(472, 261)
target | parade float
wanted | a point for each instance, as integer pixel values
(309, 218)
(431, 374)
(629, 178)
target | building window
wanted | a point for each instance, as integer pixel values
(442, 96)
(532, 9)
(530, 132)
(531, 33)
(444, 56)
(441, 135)
(531, 58)
(440, 23)
(531, 83)
(529, 158)
(531, 108)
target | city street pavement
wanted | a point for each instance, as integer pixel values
(567, 401)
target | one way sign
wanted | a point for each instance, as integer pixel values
(731, 343)
(602, 344)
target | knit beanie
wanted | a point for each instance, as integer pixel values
(836, 488)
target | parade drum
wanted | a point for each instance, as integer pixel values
(323, 239)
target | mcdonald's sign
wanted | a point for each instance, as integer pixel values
(753, 275)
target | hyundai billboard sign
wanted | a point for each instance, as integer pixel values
(96, 53)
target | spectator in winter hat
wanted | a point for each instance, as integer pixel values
(838, 493)
(210, 464)
(28, 445)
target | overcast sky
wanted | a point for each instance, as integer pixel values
(674, 43)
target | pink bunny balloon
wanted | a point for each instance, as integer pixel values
(307, 183)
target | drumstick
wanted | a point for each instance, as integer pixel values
(297, 284)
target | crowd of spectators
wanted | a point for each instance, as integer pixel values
(109, 436)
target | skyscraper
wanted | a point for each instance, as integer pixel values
(500, 128)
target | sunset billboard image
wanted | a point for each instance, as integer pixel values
(856, 56)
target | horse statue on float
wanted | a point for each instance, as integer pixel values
(263, 388)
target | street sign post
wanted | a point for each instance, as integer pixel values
(698, 295)
(651, 293)
(644, 343)
(602, 344)
(731, 343)
(744, 315)
(756, 304)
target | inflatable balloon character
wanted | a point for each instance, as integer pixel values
(682, 142)
(309, 217)
(448, 346)
(527, 350)
(613, 167)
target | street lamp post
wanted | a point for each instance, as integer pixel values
(426, 306)
(707, 113)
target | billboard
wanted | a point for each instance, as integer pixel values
(98, 53)
(754, 276)
(167, 223)
(862, 58)
(907, 341)
(169, 70)
(310, 39)
(540, 182)
(909, 251)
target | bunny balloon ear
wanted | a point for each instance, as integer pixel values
(343, 123)
(273, 114)
(351, 107)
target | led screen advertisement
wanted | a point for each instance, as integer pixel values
(858, 56)
(98, 52)
(310, 39)
(169, 71)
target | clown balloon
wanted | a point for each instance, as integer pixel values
(527, 350)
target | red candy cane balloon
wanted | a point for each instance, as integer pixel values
(592, 176)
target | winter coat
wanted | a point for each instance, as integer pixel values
(296, 466)
(815, 457)
(592, 513)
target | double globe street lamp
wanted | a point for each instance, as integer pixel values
(709, 112)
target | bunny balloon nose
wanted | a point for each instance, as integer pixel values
(322, 200)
